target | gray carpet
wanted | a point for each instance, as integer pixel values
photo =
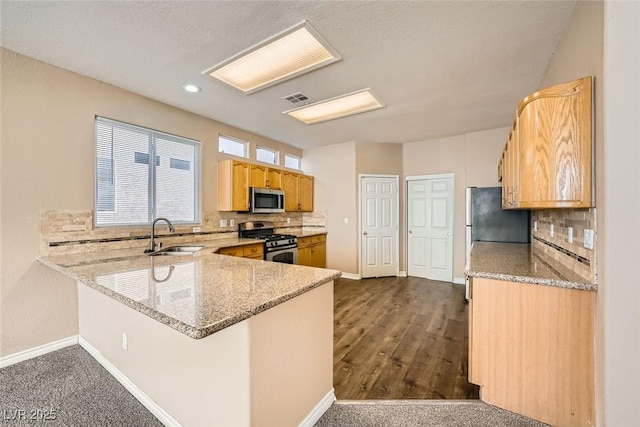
(420, 413)
(67, 387)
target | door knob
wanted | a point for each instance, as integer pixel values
(365, 233)
(410, 232)
(449, 234)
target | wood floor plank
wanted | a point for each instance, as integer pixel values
(400, 338)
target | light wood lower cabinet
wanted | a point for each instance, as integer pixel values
(531, 350)
(254, 251)
(312, 251)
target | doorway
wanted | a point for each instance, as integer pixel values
(430, 226)
(379, 229)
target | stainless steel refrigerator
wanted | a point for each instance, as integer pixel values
(487, 222)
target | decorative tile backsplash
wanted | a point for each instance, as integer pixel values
(556, 249)
(67, 231)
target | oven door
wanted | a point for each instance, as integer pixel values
(284, 255)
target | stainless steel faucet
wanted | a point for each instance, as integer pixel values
(152, 244)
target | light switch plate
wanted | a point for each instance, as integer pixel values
(197, 229)
(588, 238)
(535, 225)
(223, 223)
(232, 222)
(551, 230)
(125, 342)
(570, 234)
(288, 220)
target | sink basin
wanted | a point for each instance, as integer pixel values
(177, 250)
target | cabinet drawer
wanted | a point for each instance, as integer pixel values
(232, 251)
(253, 250)
(319, 238)
(305, 241)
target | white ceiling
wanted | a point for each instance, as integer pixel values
(441, 67)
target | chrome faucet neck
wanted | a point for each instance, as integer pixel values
(152, 244)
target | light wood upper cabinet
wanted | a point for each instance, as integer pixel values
(266, 177)
(305, 193)
(233, 186)
(298, 192)
(552, 164)
(235, 178)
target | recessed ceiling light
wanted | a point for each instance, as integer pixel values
(293, 52)
(191, 88)
(335, 108)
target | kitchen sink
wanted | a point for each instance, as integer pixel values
(176, 250)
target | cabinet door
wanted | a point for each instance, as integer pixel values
(274, 179)
(240, 186)
(304, 255)
(319, 255)
(305, 193)
(555, 129)
(290, 188)
(259, 176)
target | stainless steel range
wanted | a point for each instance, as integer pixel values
(277, 247)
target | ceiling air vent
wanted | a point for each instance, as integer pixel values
(297, 98)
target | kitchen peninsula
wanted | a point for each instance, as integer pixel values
(531, 334)
(210, 339)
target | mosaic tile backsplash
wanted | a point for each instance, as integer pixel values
(556, 249)
(71, 231)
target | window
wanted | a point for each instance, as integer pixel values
(129, 191)
(291, 161)
(229, 145)
(266, 155)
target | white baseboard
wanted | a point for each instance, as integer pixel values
(351, 276)
(317, 412)
(140, 395)
(37, 351)
(402, 274)
(459, 280)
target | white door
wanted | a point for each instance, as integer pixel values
(430, 228)
(379, 226)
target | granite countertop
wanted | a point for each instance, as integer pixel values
(516, 262)
(197, 294)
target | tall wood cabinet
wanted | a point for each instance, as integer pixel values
(233, 186)
(548, 158)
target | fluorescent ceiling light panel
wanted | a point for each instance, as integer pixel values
(296, 51)
(335, 108)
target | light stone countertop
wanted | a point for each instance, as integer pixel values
(197, 294)
(515, 262)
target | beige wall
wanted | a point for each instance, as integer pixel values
(334, 169)
(47, 162)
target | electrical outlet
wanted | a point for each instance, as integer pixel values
(197, 229)
(570, 234)
(551, 230)
(125, 342)
(232, 222)
(288, 220)
(223, 223)
(588, 238)
(535, 225)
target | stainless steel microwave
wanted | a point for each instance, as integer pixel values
(266, 200)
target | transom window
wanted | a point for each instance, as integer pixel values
(291, 161)
(266, 155)
(131, 190)
(233, 146)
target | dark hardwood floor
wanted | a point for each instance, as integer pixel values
(400, 338)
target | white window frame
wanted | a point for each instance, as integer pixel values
(244, 143)
(152, 187)
(293, 156)
(276, 155)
